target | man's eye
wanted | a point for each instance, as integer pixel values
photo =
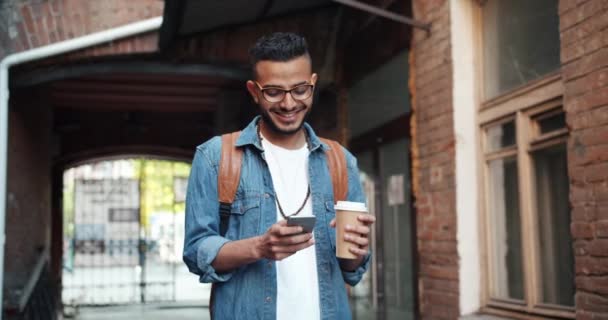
(273, 92)
(301, 90)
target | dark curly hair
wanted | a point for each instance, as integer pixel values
(278, 46)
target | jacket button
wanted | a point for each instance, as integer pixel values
(266, 195)
(268, 299)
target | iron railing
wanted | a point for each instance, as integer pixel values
(37, 300)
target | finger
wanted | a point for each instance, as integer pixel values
(332, 223)
(292, 248)
(363, 242)
(291, 240)
(367, 219)
(362, 230)
(284, 230)
(357, 251)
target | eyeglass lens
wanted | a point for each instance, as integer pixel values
(301, 92)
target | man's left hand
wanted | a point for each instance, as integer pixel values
(358, 237)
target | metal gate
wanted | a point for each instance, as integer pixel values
(110, 256)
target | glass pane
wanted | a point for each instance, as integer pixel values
(521, 42)
(556, 257)
(552, 123)
(363, 296)
(500, 136)
(505, 230)
(396, 231)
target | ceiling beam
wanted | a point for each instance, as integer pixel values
(112, 88)
(132, 107)
(131, 98)
(161, 69)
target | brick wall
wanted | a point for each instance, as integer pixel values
(27, 24)
(434, 162)
(584, 55)
(28, 185)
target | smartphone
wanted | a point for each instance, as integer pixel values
(307, 223)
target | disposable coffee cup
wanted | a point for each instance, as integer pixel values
(346, 214)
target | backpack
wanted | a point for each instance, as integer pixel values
(230, 173)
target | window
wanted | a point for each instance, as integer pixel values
(520, 42)
(529, 264)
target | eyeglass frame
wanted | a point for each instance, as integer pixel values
(285, 91)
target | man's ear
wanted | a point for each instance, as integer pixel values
(252, 88)
(313, 78)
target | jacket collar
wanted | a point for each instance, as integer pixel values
(249, 136)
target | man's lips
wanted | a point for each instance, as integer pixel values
(288, 115)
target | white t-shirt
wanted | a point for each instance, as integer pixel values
(297, 284)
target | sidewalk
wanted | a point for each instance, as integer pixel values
(158, 311)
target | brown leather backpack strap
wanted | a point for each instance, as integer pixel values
(336, 162)
(230, 168)
(228, 176)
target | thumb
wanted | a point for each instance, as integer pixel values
(332, 223)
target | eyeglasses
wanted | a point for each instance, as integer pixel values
(275, 94)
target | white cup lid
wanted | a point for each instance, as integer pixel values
(350, 206)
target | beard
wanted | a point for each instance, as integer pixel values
(270, 124)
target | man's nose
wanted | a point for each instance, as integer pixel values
(288, 102)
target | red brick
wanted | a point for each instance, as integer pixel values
(591, 302)
(586, 156)
(23, 37)
(594, 61)
(437, 247)
(578, 14)
(439, 272)
(591, 118)
(591, 265)
(588, 83)
(581, 230)
(441, 298)
(43, 32)
(601, 210)
(565, 5)
(590, 100)
(601, 229)
(580, 193)
(583, 213)
(599, 248)
(593, 136)
(439, 260)
(439, 285)
(581, 247)
(597, 285)
(56, 7)
(600, 191)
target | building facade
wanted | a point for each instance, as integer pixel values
(510, 111)
(489, 145)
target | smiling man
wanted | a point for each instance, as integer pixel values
(261, 267)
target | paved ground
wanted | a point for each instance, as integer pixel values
(178, 311)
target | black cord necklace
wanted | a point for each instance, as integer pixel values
(276, 195)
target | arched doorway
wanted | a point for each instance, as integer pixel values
(123, 233)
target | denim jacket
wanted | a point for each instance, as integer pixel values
(249, 292)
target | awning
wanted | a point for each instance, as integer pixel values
(186, 17)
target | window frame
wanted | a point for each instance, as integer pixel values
(523, 104)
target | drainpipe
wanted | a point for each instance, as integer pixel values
(79, 43)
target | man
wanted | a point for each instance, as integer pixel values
(262, 268)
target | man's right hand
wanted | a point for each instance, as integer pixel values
(281, 241)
